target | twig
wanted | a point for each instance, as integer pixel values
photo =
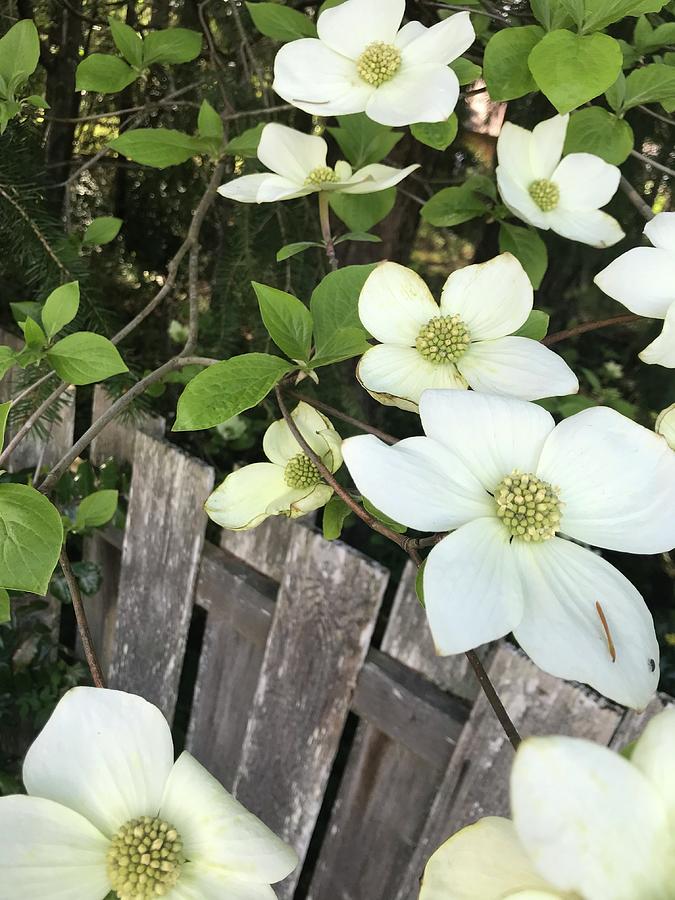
(652, 162)
(26, 392)
(337, 414)
(82, 624)
(30, 422)
(655, 115)
(638, 202)
(493, 698)
(589, 326)
(36, 231)
(324, 217)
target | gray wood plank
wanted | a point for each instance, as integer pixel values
(118, 438)
(326, 609)
(265, 548)
(476, 782)
(632, 724)
(163, 542)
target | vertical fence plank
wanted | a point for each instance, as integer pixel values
(163, 542)
(325, 614)
(265, 548)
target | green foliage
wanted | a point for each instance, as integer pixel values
(454, 205)
(19, 55)
(171, 46)
(363, 141)
(102, 230)
(289, 250)
(381, 517)
(528, 248)
(505, 64)
(438, 135)
(654, 83)
(157, 147)
(32, 535)
(60, 308)
(246, 143)
(280, 22)
(127, 41)
(4, 413)
(536, 326)
(95, 510)
(361, 212)
(595, 130)
(335, 512)
(228, 388)
(84, 358)
(338, 332)
(287, 320)
(104, 74)
(5, 608)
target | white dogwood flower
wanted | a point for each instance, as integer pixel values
(586, 824)
(289, 484)
(510, 485)
(364, 61)
(467, 341)
(108, 810)
(546, 191)
(298, 167)
(665, 425)
(643, 279)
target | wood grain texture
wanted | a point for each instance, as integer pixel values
(325, 613)
(476, 782)
(163, 543)
(118, 437)
(265, 548)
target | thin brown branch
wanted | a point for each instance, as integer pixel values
(589, 326)
(36, 231)
(493, 698)
(338, 414)
(652, 162)
(636, 199)
(27, 391)
(31, 421)
(82, 624)
(324, 217)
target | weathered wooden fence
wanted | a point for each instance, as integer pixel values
(364, 757)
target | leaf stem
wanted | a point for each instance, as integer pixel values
(324, 218)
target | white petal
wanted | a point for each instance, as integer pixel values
(548, 138)
(586, 181)
(419, 93)
(589, 820)
(518, 200)
(472, 592)
(319, 81)
(416, 482)
(201, 882)
(442, 43)
(408, 33)
(484, 861)
(654, 753)
(279, 444)
(491, 435)
(377, 177)
(661, 231)
(291, 153)
(562, 629)
(276, 187)
(105, 754)
(513, 154)
(643, 279)
(493, 298)
(616, 480)
(49, 852)
(518, 367)
(662, 350)
(350, 27)
(250, 495)
(397, 376)
(244, 189)
(395, 304)
(588, 226)
(218, 831)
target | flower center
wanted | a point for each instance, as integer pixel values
(529, 507)
(545, 193)
(378, 63)
(144, 859)
(321, 175)
(300, 472)
(443, 339)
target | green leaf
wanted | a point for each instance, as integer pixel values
(104, 74)
(601, 13)
(528, 248)
(157, 147)
(571, 69)
(5, 608)
(650, 84)
(363, 141)
(551, 14)
(438, 135)
(102, 230)
(289, 250)
(209, 123)
(466, 71)
(60, 308)
(37, 101)
(419, 583)
(4, 415)
(96, 510)
(595, 130)
(281, 23)
(616, 94)
(287, 320)
(338, 332)
(454, 205)
(84, 358)
(536, 326)
(360, 212)
(89, 578)
(33, 334)
(658, 37)
(227, 389)
(246, 143)
(31, 539)
(363, 236)
(127, 41)
(26, 308)
(19, 53)
(334, 514)
(505, 69)
(7, 359)
(172, 45)
(381, 517)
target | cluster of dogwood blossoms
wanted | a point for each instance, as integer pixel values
(517, 503)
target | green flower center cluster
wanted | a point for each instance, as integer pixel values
(301, 473)
(443, 339)
(528, 507)
(321, 175)
(545, 193)
(144, 859)
(378, 63)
